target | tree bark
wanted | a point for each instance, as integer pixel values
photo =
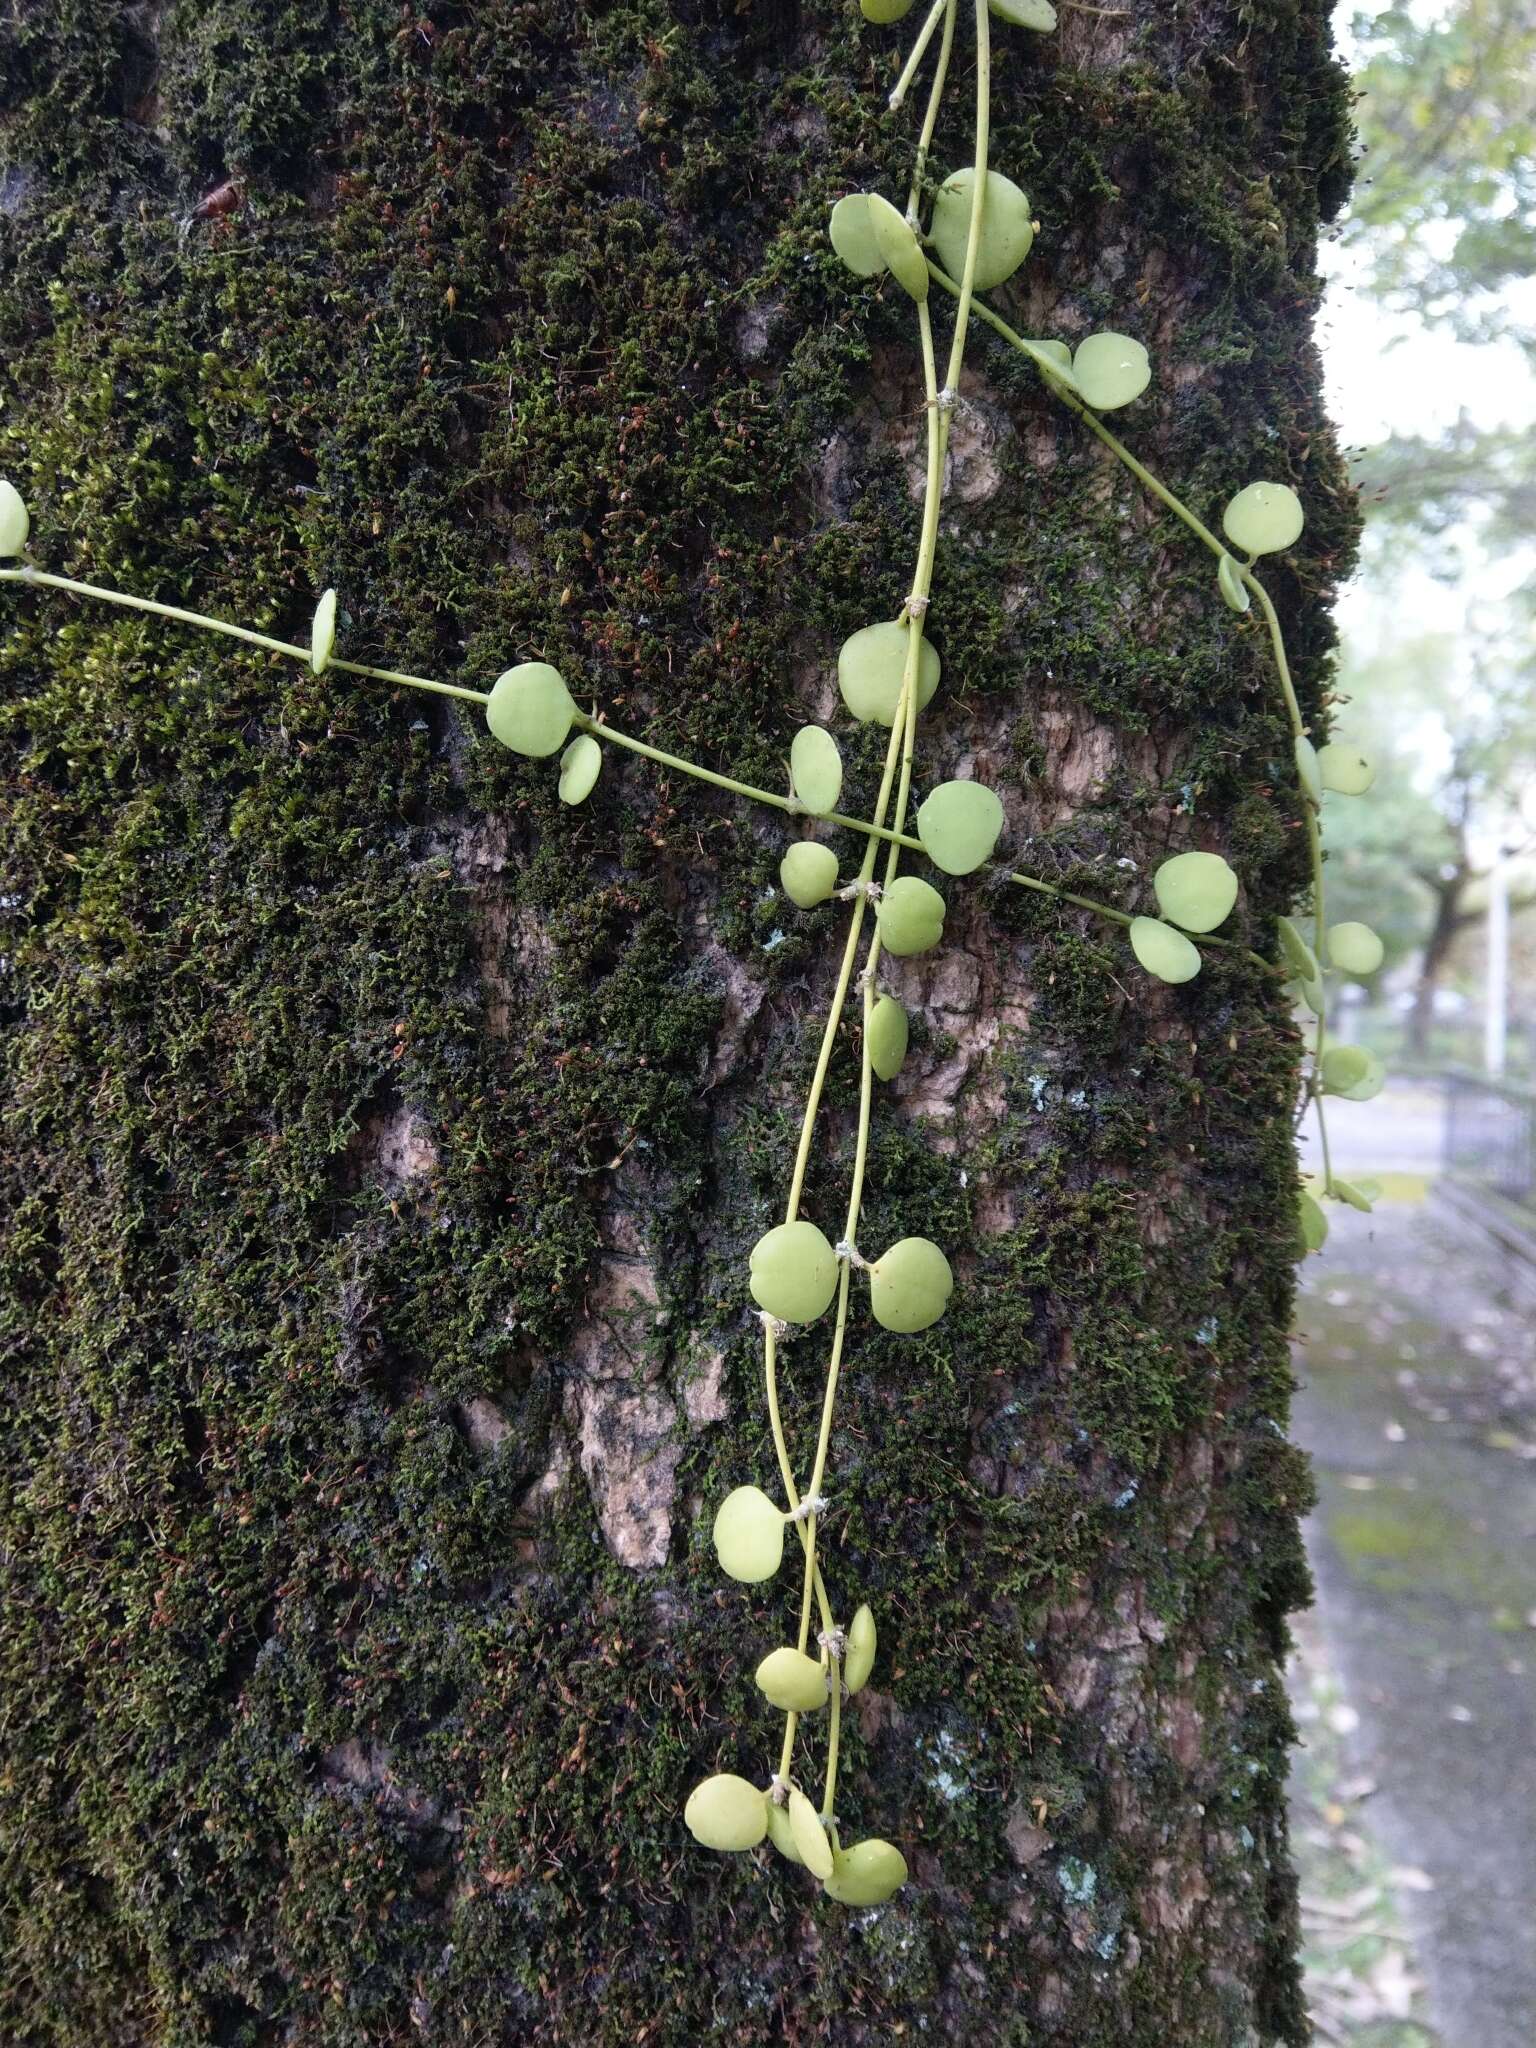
(384, 1141)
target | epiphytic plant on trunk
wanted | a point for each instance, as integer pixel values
(979, 230)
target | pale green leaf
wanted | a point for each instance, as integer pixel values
(808, 873)
(1195, 890)
(1006, 228)
(794, 1272)
(580, 766)
(791, 1680)
(1163, 952)
(726, 1812)
(1263, 519)
(530, 709)
(887, 1038)
(910, 1285)
(749, 1535)
(910, 916)
(871, 665)
(816, 769)
(960, 824)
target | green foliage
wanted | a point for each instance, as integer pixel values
(1007, 231)
(1447, 214)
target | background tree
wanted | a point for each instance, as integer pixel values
(1454, 741)
(383, 1146)
(1441, 239)
(1444, 214)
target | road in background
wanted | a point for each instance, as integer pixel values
(1418, 1405)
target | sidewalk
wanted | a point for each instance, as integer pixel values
(1418, 1405)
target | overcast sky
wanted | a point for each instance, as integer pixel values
(1391, 374)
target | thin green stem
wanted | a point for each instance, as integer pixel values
(967, 290)
(1086, 414)
(1277, 645)
(206, 624)
(410, 682)
(845, 976)
(1204, 534)
(930, 118)
(906, 729)
(834, 1733)
(1314, 855)
(402, 678)
(919, 51)
(29, 575)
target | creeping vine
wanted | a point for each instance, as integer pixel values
(979, 230)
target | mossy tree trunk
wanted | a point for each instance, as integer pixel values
(383, 1142)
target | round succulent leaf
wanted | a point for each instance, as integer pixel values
(1035, 14)
(810, 1836)
(816, 769)
(960, 824)
(887, 1038)
(1344, 769)
(884, 12)
(1308, 990)
(1111, 370)
(871, 664)
(749, 1535)
(899, 246)
(910, 1285)
(1195, 890)
(1164, 953)
(1346, 1191)
(726, 1812)
(1006, 228)
(1307, 771)
(15, 520)
(1312, 1222)
(531, 710)
(1344, 1066)
(580, 766)
(853, 235)
(859, 1650)
(808, 873)
(1263, 519)
(910, 916)
(1053, 359)
(867, 1874)
(782, 1834)
(322, 633)
(1299, 956)
(792, 1681)
(794, 1272)
(1371, 1082)
(1355, 948)
(1230, 583)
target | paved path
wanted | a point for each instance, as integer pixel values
(1418, 1405)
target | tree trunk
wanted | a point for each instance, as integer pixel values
(385, 1140)
(1450, 921)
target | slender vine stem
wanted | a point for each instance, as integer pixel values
(919, 50)
(935, 97)
(583, 722)
(211, 625)
(1043, 363)
(905, 728)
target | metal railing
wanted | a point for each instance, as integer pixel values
(1490, 1134)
